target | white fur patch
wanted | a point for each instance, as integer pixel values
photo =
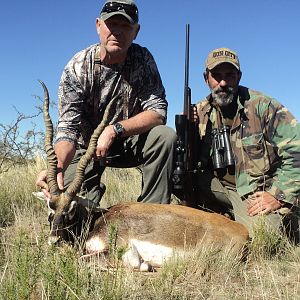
(153, 254)
(95, 245)
(138, 253)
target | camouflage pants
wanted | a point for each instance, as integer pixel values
(213, 195)
(152, 152)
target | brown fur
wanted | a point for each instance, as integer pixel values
(173, 226)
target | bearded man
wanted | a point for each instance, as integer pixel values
(249, 155)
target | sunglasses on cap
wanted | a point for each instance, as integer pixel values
(130, 10)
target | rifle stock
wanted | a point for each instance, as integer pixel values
(184, 175)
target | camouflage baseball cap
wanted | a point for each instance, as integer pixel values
(222, 55)
(126, 8)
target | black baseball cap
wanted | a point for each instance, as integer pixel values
(126, 8)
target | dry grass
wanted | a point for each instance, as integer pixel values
(121, 186)
(30, 269)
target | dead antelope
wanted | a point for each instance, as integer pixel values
(149, 234)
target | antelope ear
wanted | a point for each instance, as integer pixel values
(99, 209)
(40, 196)
(91, 206)
(72, 209)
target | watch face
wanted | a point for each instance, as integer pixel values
(118, 129)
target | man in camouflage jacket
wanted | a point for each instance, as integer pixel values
(136, 136)
(263, 175)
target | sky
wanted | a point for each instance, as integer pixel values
(39, 37)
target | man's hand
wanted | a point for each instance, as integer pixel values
(262, 203)
(105, 141)
(41, 182)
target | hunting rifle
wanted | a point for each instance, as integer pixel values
(184, 175)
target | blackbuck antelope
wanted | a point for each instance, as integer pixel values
(149, 234)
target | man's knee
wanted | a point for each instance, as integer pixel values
(165, 134)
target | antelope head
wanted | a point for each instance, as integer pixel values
(64, 214)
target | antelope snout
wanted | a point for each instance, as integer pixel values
(53, 240)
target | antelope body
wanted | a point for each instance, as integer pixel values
(153, 233)
(149, 234)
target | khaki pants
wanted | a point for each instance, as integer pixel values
(217, 197)
(152, 152)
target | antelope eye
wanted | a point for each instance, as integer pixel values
(64, 217)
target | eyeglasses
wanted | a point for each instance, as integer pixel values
(130, 10)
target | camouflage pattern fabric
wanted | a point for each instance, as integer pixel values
(265, 138)
(83, 97)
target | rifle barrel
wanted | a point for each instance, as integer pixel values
(187, 91)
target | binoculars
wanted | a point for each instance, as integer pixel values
(222, 155)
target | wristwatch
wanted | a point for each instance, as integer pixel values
(119, 129)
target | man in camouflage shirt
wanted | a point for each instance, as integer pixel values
(136, 136)
(249, 151)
